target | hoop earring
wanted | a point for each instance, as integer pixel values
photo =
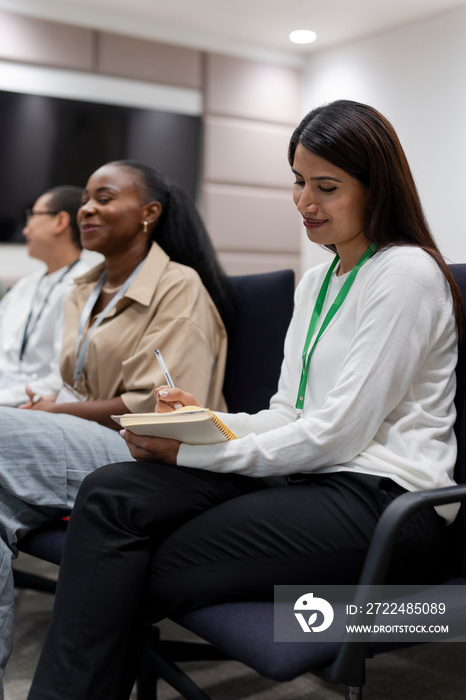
(145, 226)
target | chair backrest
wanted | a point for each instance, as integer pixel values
(263, 305)
(459, 273)
(459, 540)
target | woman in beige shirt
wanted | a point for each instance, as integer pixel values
(143, 296)
(164, 306)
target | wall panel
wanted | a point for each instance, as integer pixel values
(252, 90)
(250, 112)
(244, 152)
(251, 219)
(139, 59)
(33, 40)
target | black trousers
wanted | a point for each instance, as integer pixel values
(156, 540)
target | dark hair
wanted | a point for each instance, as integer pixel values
(181, 233)
(68, 198)
(362, 142)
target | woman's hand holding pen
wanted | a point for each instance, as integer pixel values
(171, 398)
(155, 449)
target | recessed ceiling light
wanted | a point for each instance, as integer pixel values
(302, 36)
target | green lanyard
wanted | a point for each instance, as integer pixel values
(341, 296)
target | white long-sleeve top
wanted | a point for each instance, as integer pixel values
(380, 388)
(43, 296)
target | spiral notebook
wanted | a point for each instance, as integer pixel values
(191, 424)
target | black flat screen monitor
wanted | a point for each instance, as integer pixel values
(49, 141)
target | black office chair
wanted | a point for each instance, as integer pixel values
(244, 631)
(263, 305)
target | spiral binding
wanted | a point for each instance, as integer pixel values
(225, 430)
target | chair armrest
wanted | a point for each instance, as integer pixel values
(349, 664)
(383, 541)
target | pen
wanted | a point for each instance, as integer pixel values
(164, 369)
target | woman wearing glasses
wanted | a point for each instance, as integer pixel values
(144, 295)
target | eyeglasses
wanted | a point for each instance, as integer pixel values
(30, 212)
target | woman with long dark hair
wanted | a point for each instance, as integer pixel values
(374, 156)
(363, 412)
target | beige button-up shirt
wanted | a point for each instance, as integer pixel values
(165, 307)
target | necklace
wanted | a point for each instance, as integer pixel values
(111, 290)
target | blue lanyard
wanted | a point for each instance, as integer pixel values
(341, 296)
(81, 346)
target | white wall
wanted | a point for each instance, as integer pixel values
(416, 77)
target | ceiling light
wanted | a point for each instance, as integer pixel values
(303, 36)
